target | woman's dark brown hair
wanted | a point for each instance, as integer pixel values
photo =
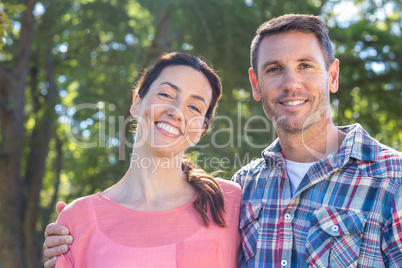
(208, 189)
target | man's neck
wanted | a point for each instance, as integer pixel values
(312, 144)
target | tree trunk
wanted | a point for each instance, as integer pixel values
(11, 242)
(152, 51)
(12, 194)
(36, 163)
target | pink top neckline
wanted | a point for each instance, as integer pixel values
(129, 210)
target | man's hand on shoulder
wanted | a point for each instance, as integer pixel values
(57, 239)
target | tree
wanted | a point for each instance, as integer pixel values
(65, 92)
(12, 134)
(7, 10)
(32, 103)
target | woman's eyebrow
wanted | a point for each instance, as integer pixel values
(171, 85)
(179, 90)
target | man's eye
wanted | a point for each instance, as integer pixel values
(306, 66)
(273, 69)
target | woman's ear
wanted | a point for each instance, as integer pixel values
(134, 106)
(198, 137)
(200, 134)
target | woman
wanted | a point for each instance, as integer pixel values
(165, 213)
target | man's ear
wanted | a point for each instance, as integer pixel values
(333, 76)
(254, 84)
(134, 106)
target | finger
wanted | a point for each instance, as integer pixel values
(55, 251)
(60, 206)
(57, 240)
(56, 229)
(51, 263)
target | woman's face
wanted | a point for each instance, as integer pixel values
(171, 115)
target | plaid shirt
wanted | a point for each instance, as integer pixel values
(346, 212)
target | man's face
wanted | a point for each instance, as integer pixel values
(292, 81)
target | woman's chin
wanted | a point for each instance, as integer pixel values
(167, 152)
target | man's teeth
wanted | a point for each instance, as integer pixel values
(168, 128)
(292, 103)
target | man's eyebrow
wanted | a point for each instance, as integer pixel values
(268, 63)
(178, 89)
(307, 59)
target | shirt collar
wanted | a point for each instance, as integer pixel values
(357, 144)
(273, 152)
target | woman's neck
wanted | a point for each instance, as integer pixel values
(152, 183)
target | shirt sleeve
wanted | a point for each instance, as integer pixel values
(392, 239)
(237, 178)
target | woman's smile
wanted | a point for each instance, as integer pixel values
(172, 115)
(168, 128)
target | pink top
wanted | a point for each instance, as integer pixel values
(107, 234)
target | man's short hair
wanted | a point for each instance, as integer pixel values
(293, 22)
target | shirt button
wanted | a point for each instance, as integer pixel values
(284, 263)
(335, 228)
(288, 217)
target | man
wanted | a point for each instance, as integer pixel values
(320, 196)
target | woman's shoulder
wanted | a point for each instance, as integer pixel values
(227, 184)
(232, 194)
(81, 202)
(77, 208)
(230, 188)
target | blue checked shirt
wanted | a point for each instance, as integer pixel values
(346, 212)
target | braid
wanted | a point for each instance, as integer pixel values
(209, 193)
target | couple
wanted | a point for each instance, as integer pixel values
(320, 196)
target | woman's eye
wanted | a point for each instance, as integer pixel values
(165, 95)
(195, 108)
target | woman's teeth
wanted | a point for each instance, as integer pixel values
(168, 128)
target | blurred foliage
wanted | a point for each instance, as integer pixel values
(100, 47)
(6, 11)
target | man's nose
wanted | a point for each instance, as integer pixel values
(291, 81)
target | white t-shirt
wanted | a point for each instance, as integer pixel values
(296, 172)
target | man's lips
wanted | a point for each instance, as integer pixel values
(168, 128)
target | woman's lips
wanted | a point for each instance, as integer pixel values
(168, 128)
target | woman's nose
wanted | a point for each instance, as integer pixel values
(174, 112)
